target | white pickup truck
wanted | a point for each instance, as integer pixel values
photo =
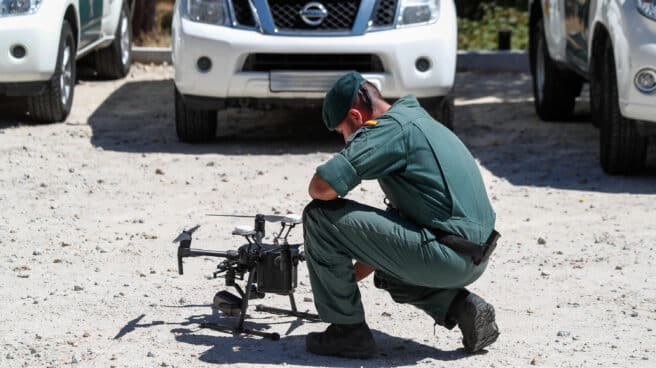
(229, 53)
(40, 41)
(611, 44)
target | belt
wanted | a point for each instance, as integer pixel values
(479, 253)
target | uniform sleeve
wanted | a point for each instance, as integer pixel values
(372, 154)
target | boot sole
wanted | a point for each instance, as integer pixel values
(485, 330)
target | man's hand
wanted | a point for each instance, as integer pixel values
(362, 270)
(320, 189)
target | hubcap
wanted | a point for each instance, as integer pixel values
(539, 69)
(66, 75)
(125, 40)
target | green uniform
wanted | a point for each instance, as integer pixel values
(432, 181)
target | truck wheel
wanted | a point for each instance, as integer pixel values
(554, 90)
(441, 109)
(622, 149)
(113, 62)
(193, 125)
(54, 104)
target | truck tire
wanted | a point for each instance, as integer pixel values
(193, 125)
(554, 90)
(54, 104)
(441, 109)
(114, 61)
(622, 149)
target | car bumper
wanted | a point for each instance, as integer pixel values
(39, 36)
(636, 104)
(229, 48)
(638, 52)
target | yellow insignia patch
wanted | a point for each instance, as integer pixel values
(371, 122)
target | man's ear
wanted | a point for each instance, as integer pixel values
(356, 116)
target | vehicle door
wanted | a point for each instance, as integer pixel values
(577, 14)
(91, 12)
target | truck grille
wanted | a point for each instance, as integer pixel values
(341, 15)
(363, 63)
(384, 13)
(243, 13)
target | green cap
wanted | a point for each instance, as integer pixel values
(340, 98)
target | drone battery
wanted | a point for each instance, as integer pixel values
(277, 276)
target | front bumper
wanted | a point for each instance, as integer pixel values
(229, 48)
(635, 104)
(634, 53)
(39, 34)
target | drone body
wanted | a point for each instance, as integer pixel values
(271, 268)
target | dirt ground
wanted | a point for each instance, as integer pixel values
(90, 206)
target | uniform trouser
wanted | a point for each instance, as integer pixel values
(410, 264)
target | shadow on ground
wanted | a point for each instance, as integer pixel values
(497, 122)
(224, 348)
(140, 117)
(494, 117)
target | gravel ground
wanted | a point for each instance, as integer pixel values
(89, 208)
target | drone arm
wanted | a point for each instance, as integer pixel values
(184, 251)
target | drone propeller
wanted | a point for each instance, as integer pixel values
(289, 219)
(186, 234)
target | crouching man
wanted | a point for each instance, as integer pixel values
(434, 239)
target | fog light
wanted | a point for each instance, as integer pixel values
(645, 81)
(18, 51)
(422, 64)
(204, 64)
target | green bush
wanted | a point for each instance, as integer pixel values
(482, 34)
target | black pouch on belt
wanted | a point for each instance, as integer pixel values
(479, 253)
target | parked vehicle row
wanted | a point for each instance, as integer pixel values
(253, 53)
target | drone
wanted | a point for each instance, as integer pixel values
(265, 267)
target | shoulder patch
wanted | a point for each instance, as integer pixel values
(371, 122)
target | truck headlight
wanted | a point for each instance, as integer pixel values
(647, 8)
(208, 11)
(18, 7)
(418, 12)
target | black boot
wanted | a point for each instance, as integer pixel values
(475, 318)
(347, 341)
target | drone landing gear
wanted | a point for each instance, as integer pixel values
(234, 305)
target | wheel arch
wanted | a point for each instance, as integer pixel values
(535, 14)
(600, 36)
(71, 17)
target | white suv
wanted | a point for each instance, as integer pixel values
(288, 52)
(611, 44)
(40, 41)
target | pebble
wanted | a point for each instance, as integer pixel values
(36, 252)
(563, 333)
(159, 172)
(541, 241)
(74, 360)
(182, 301)
(9, 356)
(534, 361)
(78, 288)
(150, 354)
